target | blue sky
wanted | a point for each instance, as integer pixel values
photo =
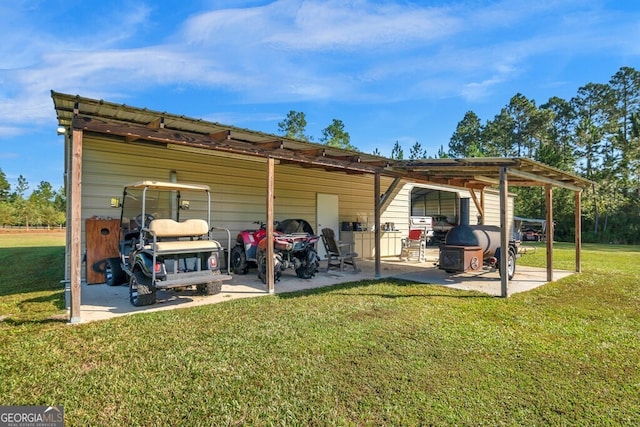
(399, 70)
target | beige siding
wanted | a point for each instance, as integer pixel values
(238, 186)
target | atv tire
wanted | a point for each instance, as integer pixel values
(262, 266)
(114, 275)
(309, 265)
(239, 263)
(141, 290)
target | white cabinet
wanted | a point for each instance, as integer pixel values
(364, 243)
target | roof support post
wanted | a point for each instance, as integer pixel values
(270, 220)
(578, 237)
(75, 249)
(377, 200)
(549, 219)
(504, 233)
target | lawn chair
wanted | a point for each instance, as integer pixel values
(338, 253)
(414, 245)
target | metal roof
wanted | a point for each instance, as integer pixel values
(141, 125)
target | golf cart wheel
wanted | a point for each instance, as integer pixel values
(114, 276)
(141, 291)
(210, 288)
(239, 260)
(309, 265)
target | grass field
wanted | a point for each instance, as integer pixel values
(365, 353)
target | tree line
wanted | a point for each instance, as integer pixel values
(595, 135)
(43, 207)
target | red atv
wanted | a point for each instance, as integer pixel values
(293, 250)
(245, 250)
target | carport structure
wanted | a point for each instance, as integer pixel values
(81, 117)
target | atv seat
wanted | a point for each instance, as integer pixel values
(172, 237)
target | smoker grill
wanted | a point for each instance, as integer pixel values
(470, 247)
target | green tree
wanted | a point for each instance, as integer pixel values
(6, 213)
(497, 136)
(334, 135)
(397, 152)
(5, 187)
(294, 126)
(376, 152)
(417, 152)
(21, 188)
(44, 194)
(466, 140)
(559, 152)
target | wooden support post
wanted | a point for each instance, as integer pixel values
(482, 203)
(270, 220)
(549, 220)
(75, 192)
(504, 233)
(578, 233)
(376, 215)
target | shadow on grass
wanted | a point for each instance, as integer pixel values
(335, 289)
(55, 299)
(14, 323)
(31, 269)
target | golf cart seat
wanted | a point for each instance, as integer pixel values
(191, 235)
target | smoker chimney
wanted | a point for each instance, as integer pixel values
(464, 211)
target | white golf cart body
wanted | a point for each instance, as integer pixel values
(159, 249)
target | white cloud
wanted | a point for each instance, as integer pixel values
(291, 50)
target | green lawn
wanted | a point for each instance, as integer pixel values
(366, 353)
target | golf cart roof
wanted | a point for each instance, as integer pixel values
(161, 185)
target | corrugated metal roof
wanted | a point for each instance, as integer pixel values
(141, 124)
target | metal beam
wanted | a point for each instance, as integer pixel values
(541, 179)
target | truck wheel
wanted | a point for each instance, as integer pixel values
(141, 290)
(114, 275)
(309, 265)
(210, 288)
(239, 260)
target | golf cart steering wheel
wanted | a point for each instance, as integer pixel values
(147, 220)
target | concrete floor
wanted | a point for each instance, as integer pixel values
(101, 302)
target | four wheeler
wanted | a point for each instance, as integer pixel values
(245, 251)
(246, 248)
(160, 252)
(295, 250)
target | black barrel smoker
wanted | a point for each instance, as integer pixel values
(470, 247)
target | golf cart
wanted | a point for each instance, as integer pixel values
(159, 249)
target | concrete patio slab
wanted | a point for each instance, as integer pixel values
(100, 302)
